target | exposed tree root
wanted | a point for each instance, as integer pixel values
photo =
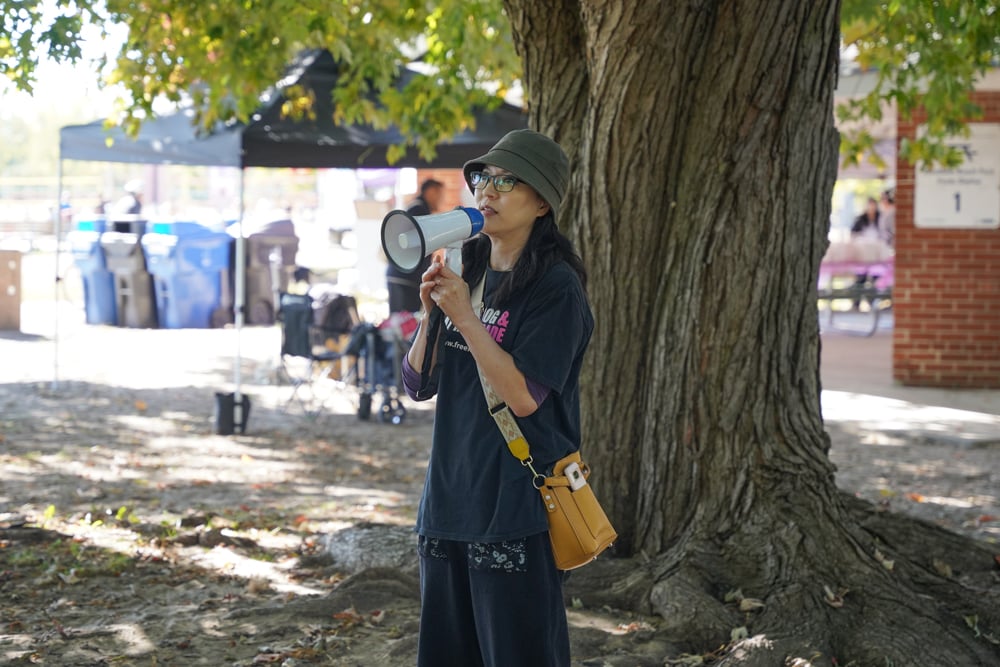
(925, 597)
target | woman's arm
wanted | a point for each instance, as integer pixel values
(415, 355)
(418, 348)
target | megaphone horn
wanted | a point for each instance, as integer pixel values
(407, 239)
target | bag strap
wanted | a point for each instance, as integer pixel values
(501, 414)
(511, 432)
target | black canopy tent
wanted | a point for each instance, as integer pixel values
(271, 140)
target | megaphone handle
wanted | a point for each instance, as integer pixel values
(453, 257)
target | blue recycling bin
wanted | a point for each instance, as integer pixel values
(96, 224)
(190, 267)
(98, 281)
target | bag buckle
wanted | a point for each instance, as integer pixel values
(537, 480)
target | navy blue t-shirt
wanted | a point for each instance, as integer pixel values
(475, 490)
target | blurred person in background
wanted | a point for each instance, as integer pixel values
(887, 223)
(131, 202)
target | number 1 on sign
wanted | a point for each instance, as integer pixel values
(958, 202)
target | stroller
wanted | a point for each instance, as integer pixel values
(379, 350)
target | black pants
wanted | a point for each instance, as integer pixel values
(491, 605)
(863, 281)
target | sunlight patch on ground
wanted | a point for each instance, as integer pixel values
(949, 502)
(17, 644)
(219, 559)
(934, 467)
(581, 618)
(230, 449)
(106, 537)
(888, 414)
(382, 497)
(104, 464)
(131, 637)
(144, 423)
(255, 572)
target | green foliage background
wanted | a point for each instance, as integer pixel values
(223, 53)
(926, 53)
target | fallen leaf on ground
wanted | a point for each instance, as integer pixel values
(835, 600)
(942, 568)
(886, 562)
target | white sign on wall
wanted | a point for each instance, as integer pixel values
(968, 196)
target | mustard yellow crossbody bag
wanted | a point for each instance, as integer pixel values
(578, 527)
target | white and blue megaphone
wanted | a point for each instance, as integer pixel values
(407, 239)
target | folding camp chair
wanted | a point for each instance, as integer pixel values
(305, 356)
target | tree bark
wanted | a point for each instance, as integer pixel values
(704, 155)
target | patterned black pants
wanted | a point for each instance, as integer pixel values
(491, 605)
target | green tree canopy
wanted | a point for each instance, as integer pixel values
(223, 53)
(925, 53)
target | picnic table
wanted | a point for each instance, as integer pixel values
(859, 273)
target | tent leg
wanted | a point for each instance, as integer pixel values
(58, 232)
(240, 307)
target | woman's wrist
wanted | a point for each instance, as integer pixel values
(468, 320)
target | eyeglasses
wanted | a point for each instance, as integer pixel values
(501, 182)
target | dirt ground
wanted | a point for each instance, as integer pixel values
(132, 534)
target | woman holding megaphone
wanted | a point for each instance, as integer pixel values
(518, 322)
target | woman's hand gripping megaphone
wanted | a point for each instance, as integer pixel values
(442, 287)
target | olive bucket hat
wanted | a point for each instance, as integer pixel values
(532, 157)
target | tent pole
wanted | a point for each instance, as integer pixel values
(55, 310)
(239, 296)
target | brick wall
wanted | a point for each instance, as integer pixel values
(946, 298)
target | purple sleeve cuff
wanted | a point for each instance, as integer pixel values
(411, 379)
(539, 392)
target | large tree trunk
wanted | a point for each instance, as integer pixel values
(704, 156)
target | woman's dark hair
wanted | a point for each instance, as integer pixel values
(546, 247)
